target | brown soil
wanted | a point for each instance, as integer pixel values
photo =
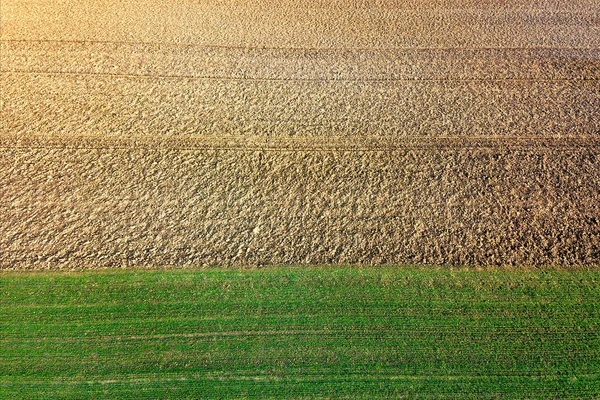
(245, 132)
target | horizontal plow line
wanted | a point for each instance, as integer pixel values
(359, 150)
(318, 144)
(241, 78)
(297, 48)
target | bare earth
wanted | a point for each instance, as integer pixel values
(246, 132)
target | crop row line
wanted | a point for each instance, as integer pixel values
(392, 337)
(310, 375)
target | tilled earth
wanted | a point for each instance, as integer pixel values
(226, 132)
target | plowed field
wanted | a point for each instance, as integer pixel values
(264, 132)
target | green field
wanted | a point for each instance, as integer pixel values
(321, 332)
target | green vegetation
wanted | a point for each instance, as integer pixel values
(346, 332)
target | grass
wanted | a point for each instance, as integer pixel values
(291, 332)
